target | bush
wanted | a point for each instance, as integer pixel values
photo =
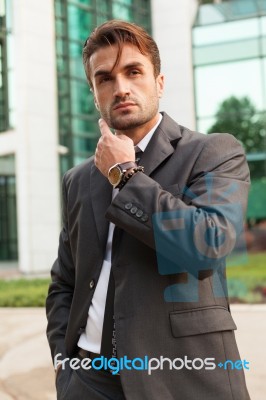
(23, 292)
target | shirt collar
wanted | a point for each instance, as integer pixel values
(145, 141)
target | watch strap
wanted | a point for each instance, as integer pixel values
(127, 165)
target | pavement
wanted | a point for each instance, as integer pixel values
(26, 371)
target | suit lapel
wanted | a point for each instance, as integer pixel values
(161, 144)
(159, 148)
(101, 197)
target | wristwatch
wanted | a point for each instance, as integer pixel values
(117, 172)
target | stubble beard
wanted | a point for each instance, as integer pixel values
(128, 119)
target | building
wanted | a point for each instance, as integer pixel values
(229, 57)
(48, 121)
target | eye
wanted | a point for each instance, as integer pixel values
(134, 72)
(105, 78)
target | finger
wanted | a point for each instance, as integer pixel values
(104, 128)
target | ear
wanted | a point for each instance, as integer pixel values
(160, 85)
(96, 104)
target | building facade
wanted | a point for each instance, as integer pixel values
(229, 58)
(48, 121)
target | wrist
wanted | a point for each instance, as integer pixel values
(118, 171)
(128, 176)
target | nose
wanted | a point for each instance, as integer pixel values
(121, 87)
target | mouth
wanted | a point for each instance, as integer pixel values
(124, 105)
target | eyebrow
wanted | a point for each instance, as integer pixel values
(101, 72)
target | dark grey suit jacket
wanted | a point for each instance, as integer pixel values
(149, 322)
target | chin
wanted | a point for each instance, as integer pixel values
(125, 123)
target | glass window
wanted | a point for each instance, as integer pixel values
(63, 86)
(85, 2)
(62, 65)
(228, 10)
(208, 14)
(81, 98)
(75, 60)
(85, 127)
(122, 10)
(229, 32)
(4, 102)
(240, 7)
(61, 47)
(222, 52)
(8, 213)
(80, 23)
(102, 6)
(3, 89)
(78, 159)
(64, 106)
(215, 83)
(100, 19)
(78, 117)
(64, 164)
(64, 124)
(60, 27)
(263, 25)
(264, 83)
(59, 9)
(84, 145)
(263, 46)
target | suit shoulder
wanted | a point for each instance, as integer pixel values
(79, 171)
(216, 140)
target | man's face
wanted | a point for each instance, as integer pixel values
(127, 96)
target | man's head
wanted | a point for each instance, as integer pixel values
(119, 33)
(122, 64)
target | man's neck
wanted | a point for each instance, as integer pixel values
(137, 134)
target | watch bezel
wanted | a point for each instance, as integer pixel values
(121, 172)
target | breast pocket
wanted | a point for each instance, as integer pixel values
(198, 321)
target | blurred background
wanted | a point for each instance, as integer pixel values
(214, 59)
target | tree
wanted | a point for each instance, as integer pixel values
(240, 117)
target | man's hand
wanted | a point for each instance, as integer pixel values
(112, 149)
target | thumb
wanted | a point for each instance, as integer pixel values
(104, 128)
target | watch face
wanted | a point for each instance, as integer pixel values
(114, 175)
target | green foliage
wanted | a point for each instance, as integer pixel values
(253, 268)
(23, 292)
(240, 117)
(245, 279)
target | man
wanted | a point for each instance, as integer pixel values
(144, 242)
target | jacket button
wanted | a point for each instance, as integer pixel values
(133, 210)
(139, 213)
(128, 206)
(92, 284)
(144, 218)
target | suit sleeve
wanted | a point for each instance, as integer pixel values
(200, 227)
(59, 299)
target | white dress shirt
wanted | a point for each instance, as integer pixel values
(91, 339)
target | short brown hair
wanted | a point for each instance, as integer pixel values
(120, 32)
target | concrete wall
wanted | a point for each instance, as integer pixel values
(37, 167)
(172, 22)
